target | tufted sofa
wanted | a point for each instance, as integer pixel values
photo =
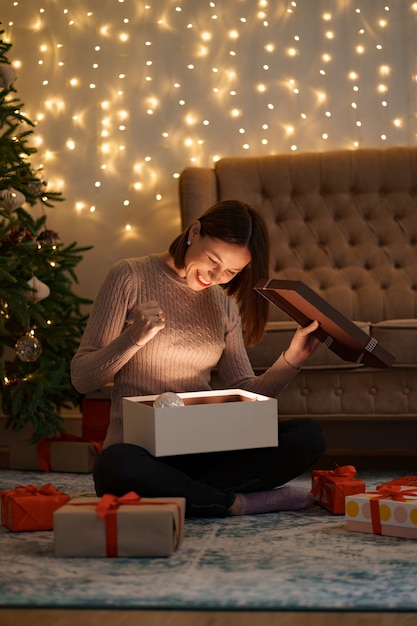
(344, 223)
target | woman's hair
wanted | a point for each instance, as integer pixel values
(235, 222)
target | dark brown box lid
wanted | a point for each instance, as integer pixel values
(336, 331)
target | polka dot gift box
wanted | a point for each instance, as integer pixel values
(388, 511)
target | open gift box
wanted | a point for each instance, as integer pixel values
(210, 421)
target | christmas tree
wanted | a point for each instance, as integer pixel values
(41, 318)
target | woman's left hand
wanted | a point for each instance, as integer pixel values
(302, 345)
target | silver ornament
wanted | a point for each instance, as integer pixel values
(28, 348)
(11, 199)
(38, 290)
(168, 399)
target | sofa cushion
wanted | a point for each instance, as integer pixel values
(364, 391)
(399, 337)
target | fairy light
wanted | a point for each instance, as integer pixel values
(172, 94)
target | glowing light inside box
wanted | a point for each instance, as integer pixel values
(178, 84)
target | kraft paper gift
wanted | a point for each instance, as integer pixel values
(129, 526)
(388, 511)
(330, 487)
(28, 507)
(67, 453)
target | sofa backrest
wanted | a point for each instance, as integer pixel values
(344, 222)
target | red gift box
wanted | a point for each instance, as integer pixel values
(96, 418)
(330, 487)
(28, 507)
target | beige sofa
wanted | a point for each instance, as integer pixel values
(344, 223)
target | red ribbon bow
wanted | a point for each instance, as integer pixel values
(33, 490)
(395, 493)
(107, 511)
(109, 503)
(319, 476)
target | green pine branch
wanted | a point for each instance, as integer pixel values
(34, 392)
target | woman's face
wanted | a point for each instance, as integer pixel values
(211, 261)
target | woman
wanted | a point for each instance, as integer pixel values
(162, 323)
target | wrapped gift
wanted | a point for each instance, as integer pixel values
(28, 507)
(71, 423)
(4, 457)
(96, 417)
(404, 481)
(330, 487)
(67, 453)
(129, 526)
(387, 511)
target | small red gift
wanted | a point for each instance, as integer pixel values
(330, 487)
(28, 507)
(96, 417)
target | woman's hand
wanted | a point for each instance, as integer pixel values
(148, 319)
(302, 345)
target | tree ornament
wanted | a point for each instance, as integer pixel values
(28, 348)
(11, 199)
(38, 290)
(168, 399)
(7, 76)
(37, 187)
(17, 235)
(11, 382)
(48, 236)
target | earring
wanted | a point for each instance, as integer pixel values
(188, 242)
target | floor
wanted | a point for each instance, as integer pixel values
(45, 617)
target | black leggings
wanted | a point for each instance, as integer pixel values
(209, 481)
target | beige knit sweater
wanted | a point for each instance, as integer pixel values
(202, 331)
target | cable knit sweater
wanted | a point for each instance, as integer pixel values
(202, 332)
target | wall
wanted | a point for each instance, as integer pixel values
(127, 93)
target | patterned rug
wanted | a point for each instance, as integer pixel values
(283, 561)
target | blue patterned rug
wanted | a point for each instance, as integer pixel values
(283, 561)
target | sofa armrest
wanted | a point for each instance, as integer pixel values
(197, 192)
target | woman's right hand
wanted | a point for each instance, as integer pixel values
(147, 320)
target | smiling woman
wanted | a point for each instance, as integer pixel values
(162, 323)
(210, 260)
(228, 245)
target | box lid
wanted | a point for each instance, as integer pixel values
(336, 331)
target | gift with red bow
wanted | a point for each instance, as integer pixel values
(128, 526)
(66, 453)
(404, 481)
(29, 507)
(330, 487)
(390, 510)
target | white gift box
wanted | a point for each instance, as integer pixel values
(210, 421)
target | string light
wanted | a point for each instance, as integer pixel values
(137, 91)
